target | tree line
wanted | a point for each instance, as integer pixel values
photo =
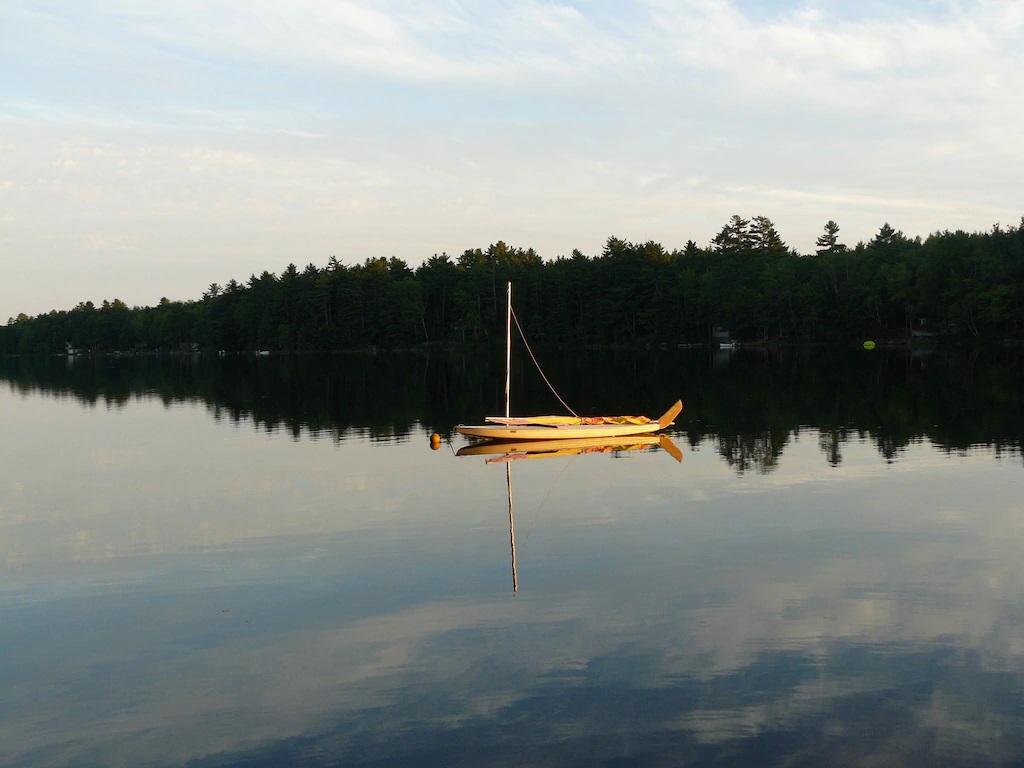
(746, 282)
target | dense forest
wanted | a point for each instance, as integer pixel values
(747, 282)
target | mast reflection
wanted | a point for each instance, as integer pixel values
(505, 452)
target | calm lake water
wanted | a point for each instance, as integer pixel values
(261, 562)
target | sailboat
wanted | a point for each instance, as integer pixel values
(572, 427)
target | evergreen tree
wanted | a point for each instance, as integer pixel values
(735, 237)
(829, 241)
(888, 236)
(765, 239)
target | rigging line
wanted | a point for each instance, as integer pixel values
(539, 370)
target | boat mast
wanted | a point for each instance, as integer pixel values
(508, 348)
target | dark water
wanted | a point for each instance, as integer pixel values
(260, 561)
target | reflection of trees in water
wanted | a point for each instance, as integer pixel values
(748, 404)
(830, 442)
(760, 452)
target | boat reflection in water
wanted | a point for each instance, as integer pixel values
(502, 451)
(507, 451)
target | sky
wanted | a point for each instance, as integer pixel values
(149, 149)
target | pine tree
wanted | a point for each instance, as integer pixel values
(765, 238)
(829, 241)
(735, 237)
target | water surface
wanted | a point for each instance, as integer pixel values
(262, 562)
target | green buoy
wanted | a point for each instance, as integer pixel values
(869, 345)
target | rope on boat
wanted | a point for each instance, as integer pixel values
(539, 370)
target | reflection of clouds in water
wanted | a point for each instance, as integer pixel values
(280, 685)
(759, 662)
(902, 706)
(188, 485)
(917, 592)
(868, 612)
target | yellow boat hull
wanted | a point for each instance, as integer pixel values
(555, 431)
(566, 428)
